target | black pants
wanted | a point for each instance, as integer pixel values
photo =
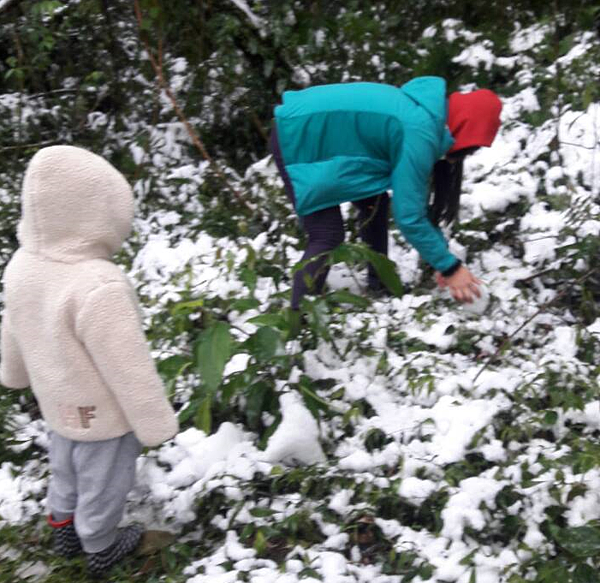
(325, 231)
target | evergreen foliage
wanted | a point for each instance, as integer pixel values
(179, 95)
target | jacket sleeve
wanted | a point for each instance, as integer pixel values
(410, 183)
(110, 328)
(13, 373)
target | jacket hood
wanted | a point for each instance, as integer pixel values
(75, 206)
(430, 93)
(473, 118)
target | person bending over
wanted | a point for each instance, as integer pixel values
(352, 142)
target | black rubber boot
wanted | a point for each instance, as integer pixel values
(66, 543)
(127, 541)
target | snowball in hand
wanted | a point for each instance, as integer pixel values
(479, 304)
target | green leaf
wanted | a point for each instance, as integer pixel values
(245, 304)
(234, 383)
(260, 542)
(351, 253)
(585, 574)
(274, 320)
(187, 412)
(249, 278)
(203, 415)
(212, 351)
(256, 398)
(588, 94)
(550, 417)
(580, 541)
(173, 366)
(468, 559)
(343, 296)
(265, 344)
(317, 316)
(191, 305)
(386, 271)
(270, 430)
(312, 400)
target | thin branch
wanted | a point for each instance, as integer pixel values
(24, 146)
(157, 65)
(578, 145)
(538, 274)
(541, 309)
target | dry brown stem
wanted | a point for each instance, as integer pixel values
(157, 65)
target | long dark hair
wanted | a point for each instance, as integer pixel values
(447, 184)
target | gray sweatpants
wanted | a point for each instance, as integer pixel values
(90, 480)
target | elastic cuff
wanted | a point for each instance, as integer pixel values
(452, 270)
(56, 524)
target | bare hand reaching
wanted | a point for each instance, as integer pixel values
(463, 285)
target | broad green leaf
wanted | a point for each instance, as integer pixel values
(203, 415)
(269, 431)
(260, 542)
(256, 397)
(191, 305)
(311, 398)
(349, 253)
(386, 271)
(245, 304)
(187, 411)
(173, 366)
(317, 316)
(581, 541)
(212, 351)
(249, 277)
(343, 296)
(468, 559)
(265, 344)
(232, 385)
(274, 320)
(588, 94)
(585, 574)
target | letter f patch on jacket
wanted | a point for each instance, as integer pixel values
(85, 415)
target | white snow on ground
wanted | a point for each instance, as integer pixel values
(436, 405)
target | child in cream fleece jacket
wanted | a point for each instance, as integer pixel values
(71, 331)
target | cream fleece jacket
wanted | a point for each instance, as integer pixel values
(71, 326)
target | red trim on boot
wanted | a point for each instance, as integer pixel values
(54, 524)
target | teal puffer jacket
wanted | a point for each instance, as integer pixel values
(350, 141)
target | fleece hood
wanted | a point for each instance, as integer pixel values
(75, 206)
(473, 118)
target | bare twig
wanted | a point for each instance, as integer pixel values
(541, 309)
(157, 65)
(24, 146)
(563, 143)
(538, 274)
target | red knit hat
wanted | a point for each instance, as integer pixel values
(473, 118)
